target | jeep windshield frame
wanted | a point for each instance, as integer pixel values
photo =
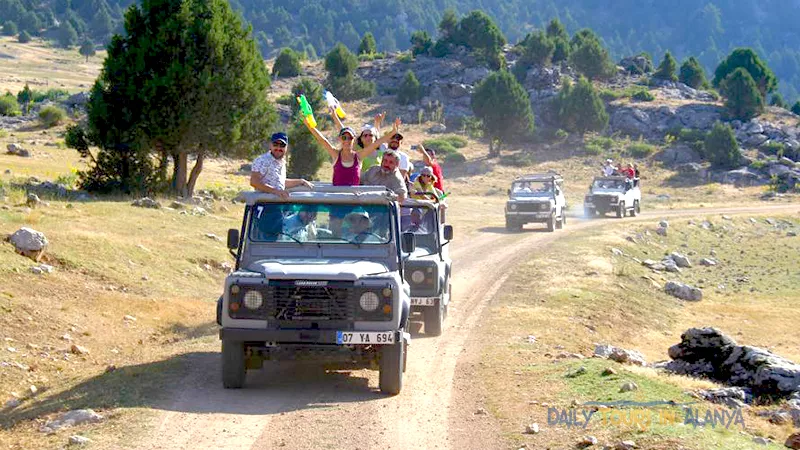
(426, 227)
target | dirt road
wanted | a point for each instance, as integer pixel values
(295, 406)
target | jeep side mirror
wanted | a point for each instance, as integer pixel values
(233, 239)
(408, 242)
(448, 232)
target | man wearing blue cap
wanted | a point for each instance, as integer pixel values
(268, 173)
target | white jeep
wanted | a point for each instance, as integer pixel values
(616, 194)
(319, 276)
(536, 198)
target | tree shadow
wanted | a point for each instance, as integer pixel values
(191, 382)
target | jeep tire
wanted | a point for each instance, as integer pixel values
(637, 207)
(589, 212)
(512, 225)
(634, 210)
(621, 210)
(391, 367)
(233, 364)
(560, 220)
(551, 222)
(434, 318)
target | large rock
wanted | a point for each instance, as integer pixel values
(680, 260)
(619, 355)
(755, 140)
(732, 397)
(18, 150)
(637, 65)
(146, 202)
(631, 121)
(707, 352)
(683, 291)
(79, 99)
(542, 78)
(29, 242)
(71, 419)
(679, 154)
(744, 176)
(698, 116)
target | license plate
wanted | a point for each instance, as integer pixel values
(365, 337)
(423, 301)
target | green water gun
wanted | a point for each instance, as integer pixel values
(444, 196)
(305, 109)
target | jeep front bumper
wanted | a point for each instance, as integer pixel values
(313, 337)
(424, 301)
(530, 216)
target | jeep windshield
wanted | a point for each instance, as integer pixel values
(609, 184)
(320, 223)
(532, 188)
(422, 222)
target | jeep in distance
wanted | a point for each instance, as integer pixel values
(536, 198)
(616, 194)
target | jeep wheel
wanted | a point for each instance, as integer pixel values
(233, 364)
(551, 222)
(560, 221)
(434, 318)
(392, 362)
(635, 208)
(563, 218)
(589, 213)
(621, 210)
(513, 226)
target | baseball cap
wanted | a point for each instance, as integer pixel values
(358, 212)
(609, 161)
(280, 137)
(371, 129)
(345, 130)
(426, 171)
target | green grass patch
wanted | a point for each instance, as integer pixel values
(517, 160)
(640, 149)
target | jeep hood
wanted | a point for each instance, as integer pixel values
(317, 269)
(531, 198)
(607, 192)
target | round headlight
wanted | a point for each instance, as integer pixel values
(513, 206)
(417, 276)
(368, 301)
(234, 289)
(387, 292)
(253, 300)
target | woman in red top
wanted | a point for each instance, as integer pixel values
(628, 171)
(429, 156)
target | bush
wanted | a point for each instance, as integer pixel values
(777, 100)
(446, 145)
(692, 73)
(69, 180)
(286, 99)
(666, 70)
(505, 108)
(643, 95)
(9, 28)
(351, 88)
(743, 100)
(748, 60)
(561, 134)
(640, 149)
(409, 91)
(405, 58)
(50, 94)
(580, 108)
(24, 37)
(306, 156)
(589, 58)
(52, 115)
(517, 160)
(368, 45)
(9, 106)
(714, 94)
(796, 108)
(371, 57)
(455, 158)
(593, 149)
(340, 62)
(421, 43)
(758, 165)
(721, 148)
(287, 64)
(604, 142)
(774, 148)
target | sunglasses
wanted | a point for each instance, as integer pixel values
(279, 144)
(366, 135)
(346, 137)
(429, 176)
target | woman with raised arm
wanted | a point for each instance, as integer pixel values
(347, 160)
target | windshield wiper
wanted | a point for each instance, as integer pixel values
(281, 233)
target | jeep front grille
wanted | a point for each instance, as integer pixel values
(603, 201)
(532, 207)
(289, 302)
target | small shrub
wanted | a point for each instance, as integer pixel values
(691, 135)
(604, 142)
(351, 88)
(561, 134)
(593, 149)
(446, 145)
(53, 95)
(52, 115)
(643, 95)
(24, 37)
(287, 64)
(714, 94)
(9, 106)
(286, 99)
(473, 127)
(610, 94)
(640, 149)
(405, 58)
(69, 180)
(455, 158)
(517, 160)
(774, 148)
(721, 147)
(758, 165)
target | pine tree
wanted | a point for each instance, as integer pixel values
(306, 155)
(666, 70)
(558, 34)
(796, 108)
(580, 108)
(504, 107)
(287, 64)
(777, 100)
(421, 43)
(589, 58)
(87, 49)
(24, 37)
(692, 73)
(67, 36)
(340, 63)
(721, 148)
(409, 91)
(9, 28)
(368, 45)
(747, 59)
(743, 100)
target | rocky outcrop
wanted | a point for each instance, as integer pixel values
(652, 122)
(707, 352)
(683, 291)
(637, 65)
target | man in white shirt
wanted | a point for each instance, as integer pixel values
(608, 168)
(268, 173)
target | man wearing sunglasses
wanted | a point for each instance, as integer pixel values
(268, 173)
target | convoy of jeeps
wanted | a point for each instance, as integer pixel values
(336, 274)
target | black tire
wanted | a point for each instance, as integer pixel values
(233, 364)
(621, 210)
(551, 222)
(434, 319)
(634, 211)
(560, 221)
(391, 367)
(589, 212)
(563, 218)
(637, 207)
(512, 225)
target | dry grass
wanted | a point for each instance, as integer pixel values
(576, 294)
